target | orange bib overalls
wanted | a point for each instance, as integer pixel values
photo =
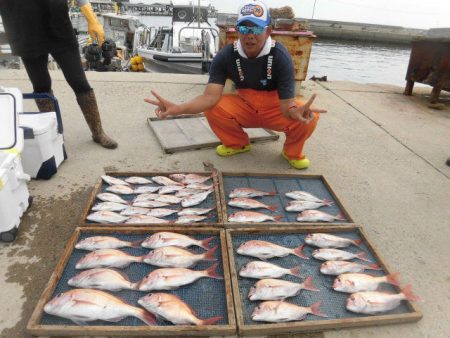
(257, 109)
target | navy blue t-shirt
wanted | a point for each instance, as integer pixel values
(255, 71)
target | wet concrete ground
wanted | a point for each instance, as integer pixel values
(383, 153)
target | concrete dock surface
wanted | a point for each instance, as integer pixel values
(383, 154)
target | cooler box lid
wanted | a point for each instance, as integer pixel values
(37, 122)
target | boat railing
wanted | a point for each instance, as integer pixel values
(204, 44)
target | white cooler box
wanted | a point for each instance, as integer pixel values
(44, 147)
(14, 196)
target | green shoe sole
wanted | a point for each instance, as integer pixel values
(221, 150)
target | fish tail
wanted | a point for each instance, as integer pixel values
(409, 295)
(299, 252)
(277, 218)
(295, 271)
(209, 255)
(340, 217)
(327, 202)
(146, 317)
(272, 207)
(362, 256)
(136, 244)
(373, 267)
(211, 321)
(205, 243)
(393, 278)
(357, 242)
(315, 309)
(308, 284)
(211, 272)
(272, 193)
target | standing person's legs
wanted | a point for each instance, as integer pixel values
(37, 71)
(70, 63)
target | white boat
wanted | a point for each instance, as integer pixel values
(188, 46)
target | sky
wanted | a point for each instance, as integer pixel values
(405, 13)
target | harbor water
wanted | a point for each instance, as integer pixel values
(344, 60)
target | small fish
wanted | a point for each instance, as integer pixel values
(168, 189)
(109, 206)
(175, 257)
(248, 203)
(85, 305)
(177, 177)
(164, 238)
(252, 216)
(306, 205)
(105, 242)
(190, 178)
(338, 267)
(337, 255)
(107, 258)
(276, 289)
(319, 216)
(168, 199)
(146, 189)
(162, 180)
(113, 180)
(145, 197)
(190, 219)
(145, 219)
(373, 302)
(173, 309)
(196, 199)
(102, 279)
(249, 192)
(279, 311)
(120, 189)
(262, 270)
(173, 278)
(161, 212)
(106, 217)
(265, 250)
(187, 192)
(138, 180)
(194, 211)
(130, 211)
(330, 241)
(304, 196)
(150, 204)
(108, 197)
(200, 186)
(355, 282)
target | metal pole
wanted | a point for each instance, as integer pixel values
(198, 14)
(314, 8)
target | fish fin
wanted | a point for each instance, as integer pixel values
(357, 242)
(211, 321)
(205, 242)
(278, 217)
(315, 309)
(79, 322)
(340, 217)
(362, 256)
(374, 266)
(211, 272)
(308, 284)
(209, 255)
(272, 207)
(116, 319)
(299, 252)
(136, 244)
(393, 278)
(295, 271)
(327, 202)
(147, 317)
(407, 291)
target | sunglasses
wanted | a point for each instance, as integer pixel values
(251, 30)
